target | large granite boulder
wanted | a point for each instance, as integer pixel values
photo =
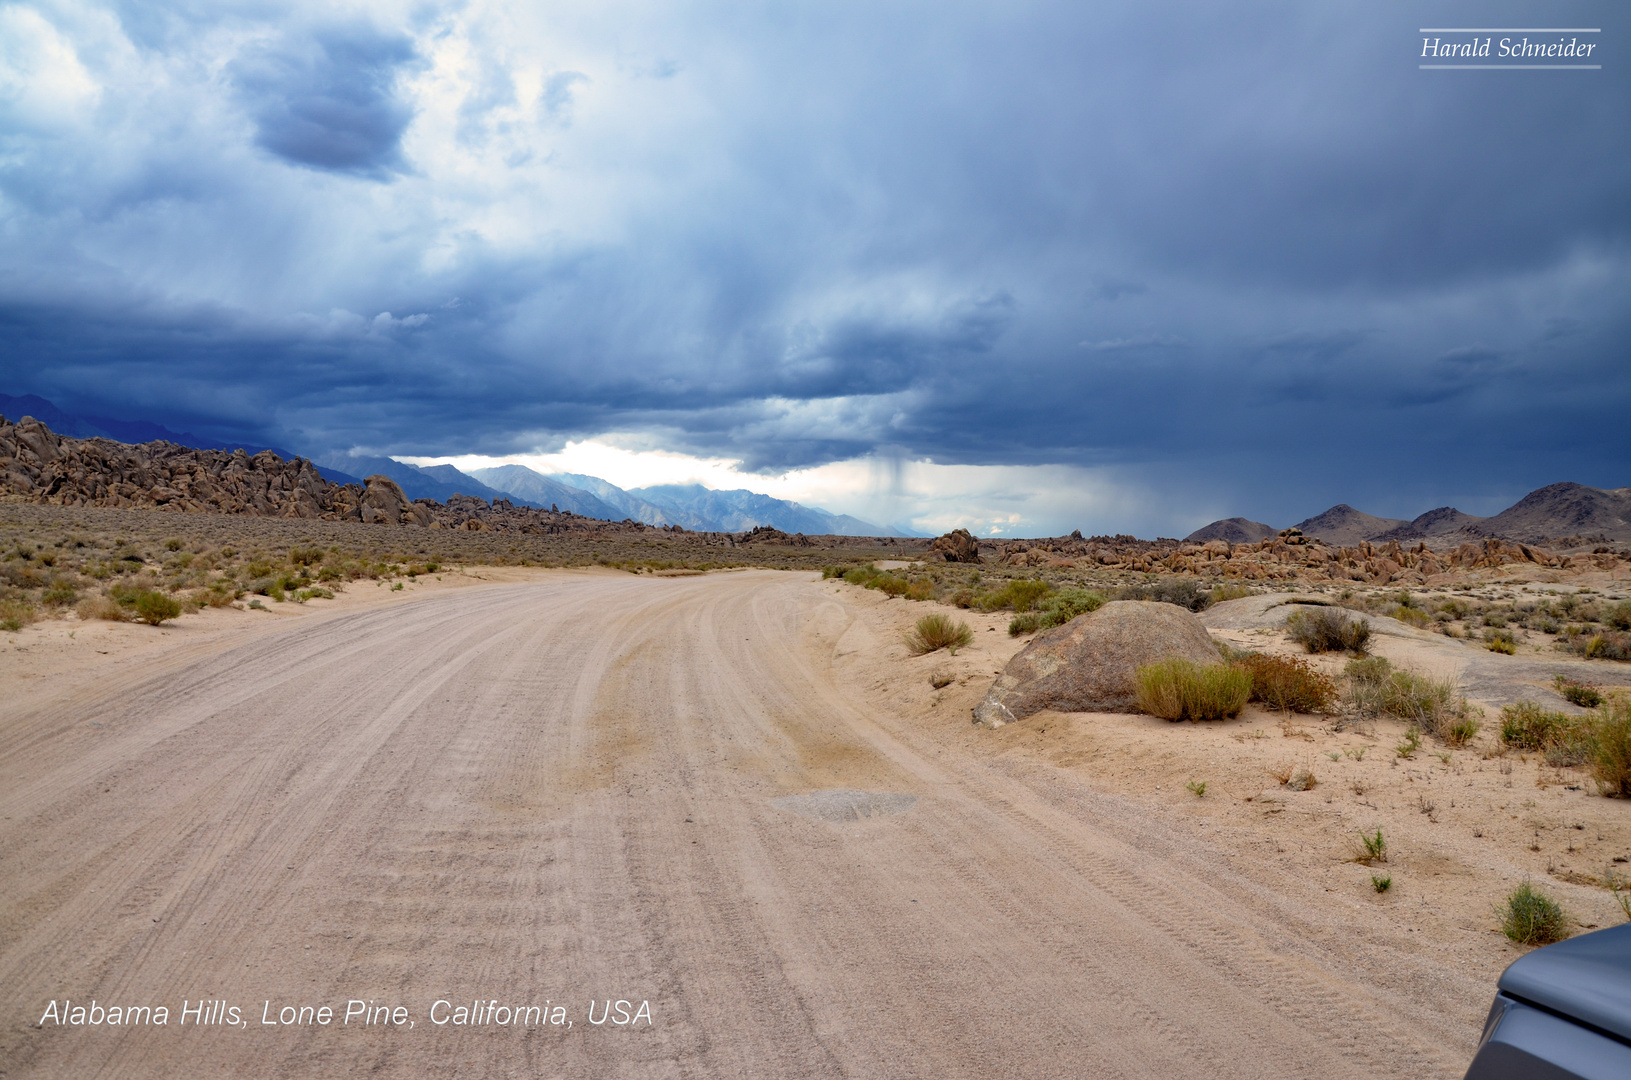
(1088, 664)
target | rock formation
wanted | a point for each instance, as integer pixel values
(957, 546)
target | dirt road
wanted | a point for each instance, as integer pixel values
(588, 788)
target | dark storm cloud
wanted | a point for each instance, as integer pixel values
(1250, 249)
(328, 99)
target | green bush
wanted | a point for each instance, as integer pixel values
(1584, 694)
(1530, 917)
(1182, 690)
(1287, 683)
(1020, 594)
(1328, 629)
(1618, 616)
(1527, 726)
(1500, 641)
(1027, 622)
(1185, 592)
(937, 631)
(1067, 603)
(16, 614)
(890, 585)
(268, 587)
(153, 607)
(1610, 747)
(60, 593)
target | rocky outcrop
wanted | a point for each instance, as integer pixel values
(384, 503)
(1089, 664)
(39, 466)
(958, 546)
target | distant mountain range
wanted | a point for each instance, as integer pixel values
(692, 506)
(1548, 513)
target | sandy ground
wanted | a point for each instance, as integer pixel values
(735, 798)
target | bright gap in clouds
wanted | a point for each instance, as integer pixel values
(921, 496)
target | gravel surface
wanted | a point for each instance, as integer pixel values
(572, 790)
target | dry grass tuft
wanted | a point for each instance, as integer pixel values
(1181, 690)
(937, 631)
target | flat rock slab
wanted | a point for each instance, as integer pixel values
(842, 805)
(1484, 676)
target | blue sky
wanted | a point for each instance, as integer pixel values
(1020, 267)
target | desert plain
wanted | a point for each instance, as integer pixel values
(736, 801)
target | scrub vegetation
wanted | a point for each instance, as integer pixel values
(1531, 917)
(1182, 690)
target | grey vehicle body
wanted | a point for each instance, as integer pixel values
(1562, 1013)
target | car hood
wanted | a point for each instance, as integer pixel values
(1586, 978)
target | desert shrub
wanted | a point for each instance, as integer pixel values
(1618, 616)
(1610, 645)
(305, 556)
(1028, 622)
(1530, 917)
(1021, 594)
(173, 544)
(1527, 726)
(1377, 688)
(16, 613)
(1460, 732)
(314, 593)
(1287, 683)
(1185, 592)
(1182, 690)
(153, 607)
(963, 598)
(1415, 616)
(1610, 746)
(937, 631)
(1328, 629)
(1381, 883)
(890, 585)
(1230, 590)
(1500, 641)
(60, 593)
(100, 607)
(1066, 604)
(1584, 694)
